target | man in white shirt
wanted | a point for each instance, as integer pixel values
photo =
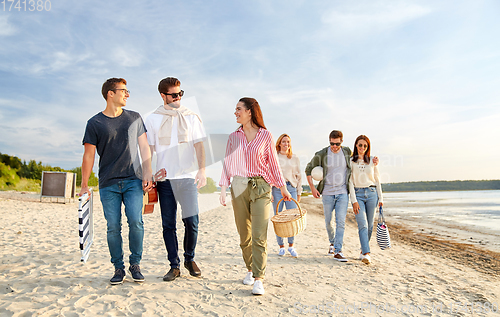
(176, 134)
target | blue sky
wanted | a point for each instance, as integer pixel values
(420, 78)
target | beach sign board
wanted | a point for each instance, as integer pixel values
(86, 224)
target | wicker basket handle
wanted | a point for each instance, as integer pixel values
(296, 202)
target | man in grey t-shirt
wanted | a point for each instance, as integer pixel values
(115, 134)
(336, 163)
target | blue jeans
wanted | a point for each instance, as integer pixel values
(339, 203)
(289, 205)
(367, 199)
(185, 192)
(130, 193)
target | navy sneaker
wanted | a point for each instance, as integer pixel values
(118, 278)
(137, 276)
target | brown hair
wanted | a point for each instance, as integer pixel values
(278, 146)
(110, 84)
(166, 83)
(254, 107)
(336, 134)
(355, 155)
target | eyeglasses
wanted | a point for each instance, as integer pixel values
(175, 94)
(362, 145)
(126, 91)
(335, 144)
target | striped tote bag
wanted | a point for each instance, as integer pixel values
(383, 238)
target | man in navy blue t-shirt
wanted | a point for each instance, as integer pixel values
(117, 134)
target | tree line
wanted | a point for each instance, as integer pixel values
(12, 169)
(441, 185)
(435, 186)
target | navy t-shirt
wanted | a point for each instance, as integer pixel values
(117, 145)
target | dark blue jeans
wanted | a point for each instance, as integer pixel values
(128, 192)
(185, 192)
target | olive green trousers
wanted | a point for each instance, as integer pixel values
(251, 200)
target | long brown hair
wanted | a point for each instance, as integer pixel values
(355, 154)
(254, 107)
(278, 145)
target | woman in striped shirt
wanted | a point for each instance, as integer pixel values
(252, 162)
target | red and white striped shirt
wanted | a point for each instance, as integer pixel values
(257, 158)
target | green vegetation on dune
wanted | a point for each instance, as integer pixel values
(19, 175)
(8, 176)
(209, 188)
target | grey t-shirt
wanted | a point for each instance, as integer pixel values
(117, 145)
(335, 180)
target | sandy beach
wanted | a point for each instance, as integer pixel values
(421, 275)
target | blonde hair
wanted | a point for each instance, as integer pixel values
(278, 147)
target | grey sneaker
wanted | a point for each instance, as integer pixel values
(137, 276)
(118, 278)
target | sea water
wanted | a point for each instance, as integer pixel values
(478, 208)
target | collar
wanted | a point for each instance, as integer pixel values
(240, 129)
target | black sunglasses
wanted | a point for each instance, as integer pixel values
(336, 144)
(175, 94)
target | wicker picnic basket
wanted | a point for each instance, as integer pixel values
(289, 222)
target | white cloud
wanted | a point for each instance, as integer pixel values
(368, 16)
(6, 29)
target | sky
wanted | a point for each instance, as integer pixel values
(419, 78)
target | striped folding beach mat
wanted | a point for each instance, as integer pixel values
(86, 224)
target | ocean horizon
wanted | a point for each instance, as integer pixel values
(479, 208)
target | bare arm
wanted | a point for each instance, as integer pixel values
(299, 179)
(87, 165)
(200, 156)
(314, 191)
(147, 174)
(378, 185)
(152, 149)
(222, 197)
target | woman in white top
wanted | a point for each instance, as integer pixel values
(290, 167)
(365, 192)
